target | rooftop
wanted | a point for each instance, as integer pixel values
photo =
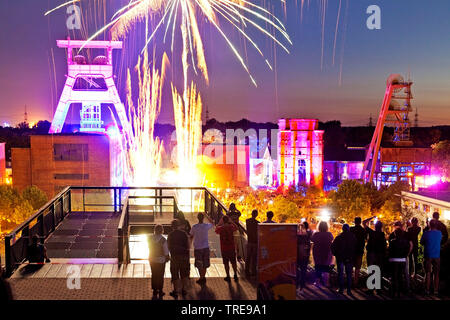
(438, 195)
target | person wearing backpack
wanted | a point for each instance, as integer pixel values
(158, 256)
(400, 246)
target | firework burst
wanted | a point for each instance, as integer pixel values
(173, 17)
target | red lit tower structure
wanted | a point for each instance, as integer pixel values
(402, 162)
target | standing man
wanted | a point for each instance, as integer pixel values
(252, 244)
(343, 248)
(269, 215)
(413, 235)
(225, 229)
(199, 232)
(376, 246)
(234, 214)
(360, 235)
(441, 227)
(399, 248)
(431, 240)
(158, 256)
(178, 243)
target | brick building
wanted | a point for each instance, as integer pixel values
(55, 161)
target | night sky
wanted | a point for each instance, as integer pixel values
(415, 39)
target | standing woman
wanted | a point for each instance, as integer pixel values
(158, 256)
(322, 240)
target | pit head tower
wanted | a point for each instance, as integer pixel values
(90, 83)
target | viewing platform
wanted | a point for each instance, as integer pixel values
(103, 231)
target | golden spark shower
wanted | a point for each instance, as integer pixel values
(171, 20)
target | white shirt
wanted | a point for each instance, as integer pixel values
(200, 233)
(157, 238)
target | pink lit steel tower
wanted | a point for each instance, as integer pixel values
(90, 84)
(300, 152)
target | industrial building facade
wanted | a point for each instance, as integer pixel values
(55, 161)
(408, 164)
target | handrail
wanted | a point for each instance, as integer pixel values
(39, 212)
(122, 216)
(53, 212)
(220, 203)
(134, 188)
(47, 219)
(122, 233)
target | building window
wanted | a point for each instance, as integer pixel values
(85, 83)
(70, 152)
(71, 176)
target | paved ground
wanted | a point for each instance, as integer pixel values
(107, 268)
(109, 281)
(126, 289)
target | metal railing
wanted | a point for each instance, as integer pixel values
(41, 224)
(109, 199)
(215, 210)
(124, 227)
(123, 233)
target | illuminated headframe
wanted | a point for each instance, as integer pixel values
(90, 84)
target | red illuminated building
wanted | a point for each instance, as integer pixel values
(300, 152)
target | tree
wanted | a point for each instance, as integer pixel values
(393, 192)
(22, 212)
(285, 210)
(16, 207)
(42, 127)
(9, 199)
(350, 200)
(441, 158)
(35, 196)
(23, 125)
(374, 196)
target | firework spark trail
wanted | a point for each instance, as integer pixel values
(144, 156)
(145, 151)
(187, 113)
(232, 10)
